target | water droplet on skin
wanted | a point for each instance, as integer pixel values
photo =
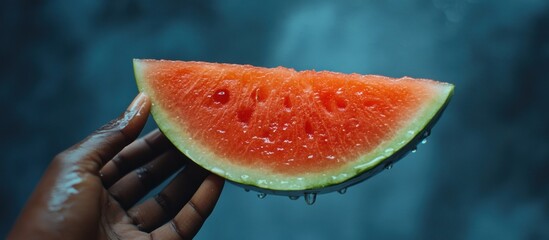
(261, 195)
(310, 198)
(389, 166)
(294, 197)
(342, 191)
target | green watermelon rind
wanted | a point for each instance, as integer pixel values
(259, 179)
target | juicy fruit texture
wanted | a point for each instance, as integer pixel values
(284, 130)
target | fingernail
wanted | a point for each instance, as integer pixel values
(134, 109)
(137, 104)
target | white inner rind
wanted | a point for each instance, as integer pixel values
(264, 178)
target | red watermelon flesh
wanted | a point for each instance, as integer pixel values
(284, 130)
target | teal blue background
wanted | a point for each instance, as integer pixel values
(484, 174)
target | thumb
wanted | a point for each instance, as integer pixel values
(103, 144)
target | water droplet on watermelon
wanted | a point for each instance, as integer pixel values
(424, 141)
(221, 96)
(310, 198)
(389, 166)
(219, 171)
(427, 133)
(414, 150)
(342, 191)
(331, 157)
(262, 182)
(310, 156)
(294, 197)
(220, 131)
(244, 177)
(261, 195)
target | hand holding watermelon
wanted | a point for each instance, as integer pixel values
(276, 131)
(89, 190)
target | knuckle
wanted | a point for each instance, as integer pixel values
(137, 219)
(199, 214)
(175, 227)
(162, 200)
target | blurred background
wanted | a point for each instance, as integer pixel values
(484, 174)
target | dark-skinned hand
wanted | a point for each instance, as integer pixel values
(90, 190)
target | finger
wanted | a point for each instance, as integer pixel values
(189, 220)
(99, 147)
(156, 211)
(136, 154)
(134, 186)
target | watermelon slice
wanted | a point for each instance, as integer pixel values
(280, 131)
